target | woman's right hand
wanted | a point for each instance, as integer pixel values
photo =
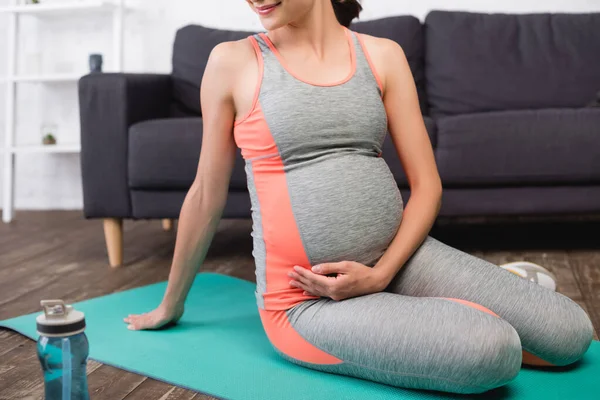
(158, 318)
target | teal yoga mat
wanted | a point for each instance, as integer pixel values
(220, 349)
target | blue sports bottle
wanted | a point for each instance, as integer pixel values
(62, 349)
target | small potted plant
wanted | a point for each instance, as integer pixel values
(48, 133)
(49, 139)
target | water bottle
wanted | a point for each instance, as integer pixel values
(63, 349)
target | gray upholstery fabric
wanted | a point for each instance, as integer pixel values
(486, 62)
(390, 155)
(520, 201)
(408, 32)
(149, 204)
(109, 104)
(164, 154)
(193, 44)
(535, 147)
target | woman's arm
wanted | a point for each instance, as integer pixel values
(203, 205)
(408, 133)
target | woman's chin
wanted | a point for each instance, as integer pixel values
(271, 24)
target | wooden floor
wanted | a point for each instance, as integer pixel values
(46, 255)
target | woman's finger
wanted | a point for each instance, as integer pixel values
(302, 286)
(315, 279)
(297, 284)
(139, 323)
(319, 284)
(299, 278)
(313, 290)
(331, 268)
(305, 284)
(309, 275)
(303, 272)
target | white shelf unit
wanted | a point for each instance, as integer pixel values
(16, 10)
(60, 8)
(55, 148)
(44, 78)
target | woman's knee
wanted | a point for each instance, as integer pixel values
(570, 334)
(496, 360)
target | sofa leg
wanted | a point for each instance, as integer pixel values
(167, 224)
(113, 234)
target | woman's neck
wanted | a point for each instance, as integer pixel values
(317, 30)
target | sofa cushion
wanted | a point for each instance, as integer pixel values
(520, 201)
(193, 44)
(390, 155)
(490, 62)
(164, 154)
(534, 147)
(148, 204)
(407, 31)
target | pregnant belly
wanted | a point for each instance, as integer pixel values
(345, 208)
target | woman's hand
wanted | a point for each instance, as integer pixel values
(155, 319)
(338, 281)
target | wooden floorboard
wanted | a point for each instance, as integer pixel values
(108, 383)
(42, 237)
(155, 390)
(61, 255)
(586, 268)
(21, 372)
(8, 341)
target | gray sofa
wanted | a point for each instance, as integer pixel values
(505, 99)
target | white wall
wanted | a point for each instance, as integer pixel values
(62, 45)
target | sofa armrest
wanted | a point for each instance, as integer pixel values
(109, 104)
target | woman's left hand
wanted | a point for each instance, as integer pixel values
(350, 279)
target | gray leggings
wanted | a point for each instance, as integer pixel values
(413, 336)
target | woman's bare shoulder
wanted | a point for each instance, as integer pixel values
(377, 46)
(233, 52)
(387, 57)
(227, 59)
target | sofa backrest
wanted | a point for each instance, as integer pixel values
(193, 44)
(488, 62)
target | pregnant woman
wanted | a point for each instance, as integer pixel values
(348, 280)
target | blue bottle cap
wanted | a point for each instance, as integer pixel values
(59, 319)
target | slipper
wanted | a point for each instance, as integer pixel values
(533, 272)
